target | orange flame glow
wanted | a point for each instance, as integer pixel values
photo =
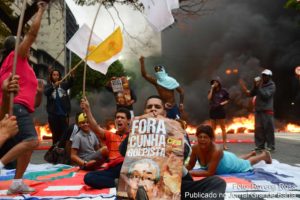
(239, 125)
(293, 128)
(190, 129)
(228, 71)
(43, 132)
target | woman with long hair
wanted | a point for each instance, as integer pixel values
(58, 104)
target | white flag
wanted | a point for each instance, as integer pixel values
(78, 44)
(158, 13)
(173, 4)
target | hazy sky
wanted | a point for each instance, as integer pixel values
(133, 21)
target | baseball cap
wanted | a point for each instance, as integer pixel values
(81, 118)
(267, 72)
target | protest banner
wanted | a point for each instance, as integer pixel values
(153, 163)
(121, 89)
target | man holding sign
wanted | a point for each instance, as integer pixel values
(106, 178)
(173, 181)
(124, 95)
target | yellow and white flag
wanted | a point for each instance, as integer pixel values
(101, 54)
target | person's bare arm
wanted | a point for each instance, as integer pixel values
(244, 87)
(193, 159)
(39, 94)
(210, 93)
(33, 30)
(75, 158)
(181, 97)
(8, 128)
(95, 127)
(212, 165)
(144, 73)
(224, 102)
(11, 84)
(97, 147)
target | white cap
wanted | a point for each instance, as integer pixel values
(267, 72)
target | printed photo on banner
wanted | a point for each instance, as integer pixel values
(121, 89)
(152, 168)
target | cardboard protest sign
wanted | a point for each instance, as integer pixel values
(152, 168)
(121, 89)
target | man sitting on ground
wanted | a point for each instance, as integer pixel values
(106, 178)
(85, 150)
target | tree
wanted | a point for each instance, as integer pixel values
(187, 7)
(293, 4)
(94, 80)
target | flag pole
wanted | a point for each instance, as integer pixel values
(55, 60)
(87, 50)
(72, 69)
(20, 25)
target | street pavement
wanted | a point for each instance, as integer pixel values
(287, 147)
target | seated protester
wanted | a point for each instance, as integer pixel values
(214, 160)
(210, 185)
(85, 150)
(106, 178)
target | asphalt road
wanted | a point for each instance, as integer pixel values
(287, 147)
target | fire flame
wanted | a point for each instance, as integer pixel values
(43, 132)
(244, 125)
(239, 125)
(293, 128)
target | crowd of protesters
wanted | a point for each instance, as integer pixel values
(92, 147)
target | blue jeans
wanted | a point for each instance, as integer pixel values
(103, 178)
(173, 113)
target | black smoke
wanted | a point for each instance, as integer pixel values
(238, 34)
(245, 35)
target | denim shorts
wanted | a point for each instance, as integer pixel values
(25, 123)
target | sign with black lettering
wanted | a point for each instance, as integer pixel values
(121, 89)
(117, 85)
(152, 168)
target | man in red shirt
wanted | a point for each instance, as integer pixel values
(106, 178)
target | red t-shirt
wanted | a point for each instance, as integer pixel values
(113, 141)
(27, 82)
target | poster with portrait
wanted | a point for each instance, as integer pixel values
(153, 163)
(121, 90)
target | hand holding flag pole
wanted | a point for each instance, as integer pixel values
(20, 25)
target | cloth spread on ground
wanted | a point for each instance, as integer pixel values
(53, 182)
(277, 180)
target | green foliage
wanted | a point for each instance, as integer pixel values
(94, 79)
(292, 4)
